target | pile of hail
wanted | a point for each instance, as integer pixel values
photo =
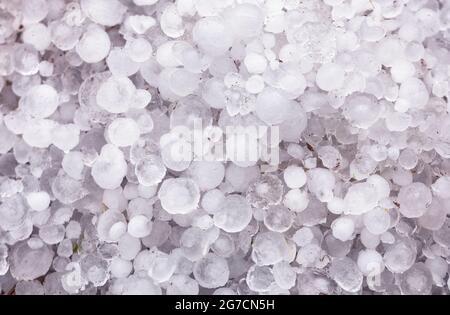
(99, 98)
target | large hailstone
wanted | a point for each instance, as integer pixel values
(30, 263)
(110, 167)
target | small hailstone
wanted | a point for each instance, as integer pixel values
(294, 176)
(278, 219)
(254, 84)
(39, 133)
(179, 195)
(441, 187)
(139, 50)
(343, 228)
(37, 35)
(40, 101)
(272, 106)
(255, 63)
(414, 199)
(360, 198)
(247, 20)
(266, 191)
(120, 268)
(128, 246)
(66, 137)
(377, 221)
(269, 248)
(171, 22)
(207, 175)
(233, 215)
(211, 271)
(38, 201)
(414, 92)
(330, 77)
(260, 278)
(110, 167)
(321, 183)
(94, 45)
(150, 170)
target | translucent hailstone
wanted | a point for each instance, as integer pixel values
(66, 137)
(294, 176)
(343, 228)
(123, 132)
(39, 133)
(284, 275)
(246, 20)
(94, 45)
(224, 245)
(104, 12)
(435, 216)
(370, 262)
(73, 164)
(115, 94)
(346, 274)
(377, 221)
(150, 170)
(211, 271)
(442, 236)
(296, 200)
(414, 199)
(128, 246)
(64, 36)
(29, 288)
(66, 189)
(171, 22)
(278, 219)
(233, 215)
(266, 191)
(7, 138)
(109, 168)
(190, 111)
(417, 280)
(120, 268)
(182, 285)
(140, 23)
(331, 158)
(111, 225)
(414, 92)
(27, 263)
(40, 101)
(136, 284)
(212, 36)
(272, 106)
(120, 63)
(139, 226)
(139, 49)
(269, 248)
(179, 195)
(400, 256)
(37, 35)
(362, 110)
(38, 201)
(441, 187)
(52, 234)
(34, 11)
(212, 200)
(360, 198)
(207, 175)
(260, 278)
(330, 76)
(13, 211)
(162, 267)
(321, 183)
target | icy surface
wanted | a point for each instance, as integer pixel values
(224, 147)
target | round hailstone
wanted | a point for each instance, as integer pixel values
(400, 256)
(361, 110)
(343, 228)
(260, 278)
(416, 281)
(370, 262)
(212, 36)
(38, 201)
(294, 176)
(441, 187)
(414, 92)
(150, 170)
(25, 59)
(27, 263)
(255, 63)
(179, 195)
(40, 101)
(111, 225)
(296, 200)
(34, 11)
(284, 275)
(321, 182)
(120, 63)
(346, 274)
(139, 49)
(39, 133)
(64, 36)
(171, 22)
(66, 137)
(269, 248)
(266, 191)
(278, 219)
(207, 175)
(120, 268)
(109, 168)
(435, 216)
(330, 76)
(115, 94)
(94, 45)
(255, 84)
(128, 246)
(211, 271)
(246, 20)
(272, 106)
(37, 35)
(66, 189)
(180, 284)
(212, 200)
(123, 132)
(73, 164)
(360, 198)
(182, 82)
(139, 226)
(233, 215)
(414, 200)
(104, 12)
(377, 221)
(13, 212)
(402, 70)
